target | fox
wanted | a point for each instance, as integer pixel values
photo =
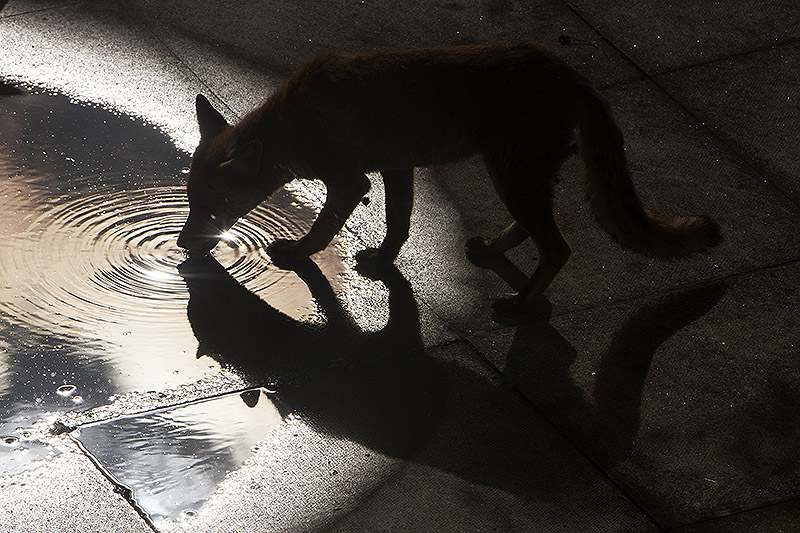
(518, 106)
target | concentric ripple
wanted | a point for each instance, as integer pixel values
(243, 248)
(112, 256)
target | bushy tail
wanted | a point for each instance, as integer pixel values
(612, 196)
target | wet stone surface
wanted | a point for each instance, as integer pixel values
(92, 304)
(174, 459)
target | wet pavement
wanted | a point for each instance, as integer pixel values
(140, 391)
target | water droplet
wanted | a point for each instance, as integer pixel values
(66, 390)
(188, 514)
(10, 441)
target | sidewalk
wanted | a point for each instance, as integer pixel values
(658, 396)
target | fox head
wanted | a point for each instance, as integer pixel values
(223, 182)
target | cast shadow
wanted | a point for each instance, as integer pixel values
(376, 388)
(380, 389)
(605, 425)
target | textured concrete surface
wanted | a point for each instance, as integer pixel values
(665, 397)
(751, 115)
(67, 493)
(659, 37)
(656, 397)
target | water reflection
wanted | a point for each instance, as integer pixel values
(91, 303)
(174, 459)
(110, 257)
(37, 371)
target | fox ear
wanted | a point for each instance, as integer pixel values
(246, 162)
(210, 120)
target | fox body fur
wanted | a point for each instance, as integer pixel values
(339, 116)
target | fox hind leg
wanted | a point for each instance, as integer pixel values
(483, 252)
(525, 186)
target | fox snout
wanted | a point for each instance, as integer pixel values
(198, 235)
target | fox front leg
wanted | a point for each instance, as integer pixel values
(343, 195)
(399, 187)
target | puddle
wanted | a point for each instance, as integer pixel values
(173, 460)
(21, 452)
(91, 303)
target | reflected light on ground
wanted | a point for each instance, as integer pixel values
(5, 368)
(174, 459)
(32, 50)
(160, 275)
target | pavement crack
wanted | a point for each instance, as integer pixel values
(118, 487)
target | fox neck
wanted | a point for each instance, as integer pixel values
(262, 125)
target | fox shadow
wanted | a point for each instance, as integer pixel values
(380, 389)
(604, 422)
(384, 391)
(375, 388)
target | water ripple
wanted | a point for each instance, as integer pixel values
(112, 256)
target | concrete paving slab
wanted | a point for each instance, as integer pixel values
(67, 493)
(459, 452)
(753, 103)
(280, 37)
(21, 7)
(687, 401)
(679, 169)
(661, 36)
(235, 84)
(95, 52)
(173, 459)
(779, 518)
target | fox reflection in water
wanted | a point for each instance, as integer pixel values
(376, 388)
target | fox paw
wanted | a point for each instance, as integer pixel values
(371, 264)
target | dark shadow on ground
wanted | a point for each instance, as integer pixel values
(380, 388)
(605, 426)
(373, 387)
(7, 88)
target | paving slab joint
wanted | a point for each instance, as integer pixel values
(509, 386)
(119, 487)
(30, 11)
